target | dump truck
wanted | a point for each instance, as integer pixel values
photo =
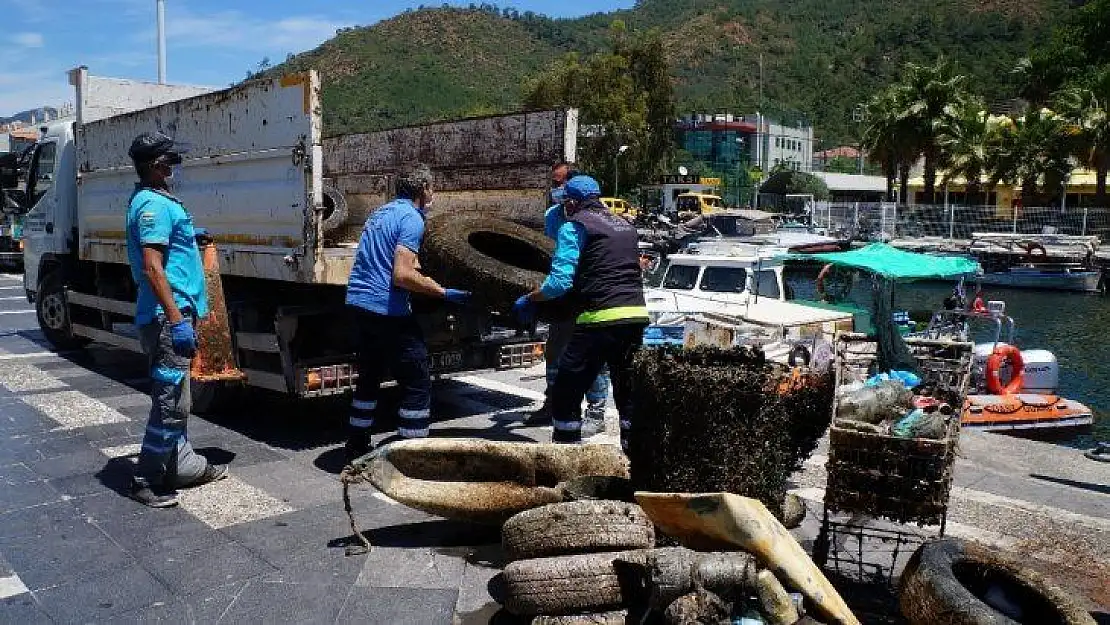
(286, 206)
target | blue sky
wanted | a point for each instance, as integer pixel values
(208, 43)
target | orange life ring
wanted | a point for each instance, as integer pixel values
(821, 279)
(994, 364)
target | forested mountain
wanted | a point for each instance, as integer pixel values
(820, 57)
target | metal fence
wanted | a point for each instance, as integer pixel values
(887, 221)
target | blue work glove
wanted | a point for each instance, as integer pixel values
(524, 309)
(184, 338)
(202, 236)
(456, 296)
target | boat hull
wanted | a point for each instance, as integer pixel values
(1026, 415)
(1081, 281)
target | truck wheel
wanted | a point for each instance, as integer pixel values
(53, 314)
(214, 397)
(493, 257)
(577, 527)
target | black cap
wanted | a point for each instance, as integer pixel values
(149, 146)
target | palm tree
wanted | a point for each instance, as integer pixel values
(1033, 150)
(1086, 110)
(964, 145)
(932, 97)
(887, 139)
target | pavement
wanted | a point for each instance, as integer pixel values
(267, 544)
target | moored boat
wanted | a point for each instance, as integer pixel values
(1026, 414)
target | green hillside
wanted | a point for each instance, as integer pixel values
(820, 58)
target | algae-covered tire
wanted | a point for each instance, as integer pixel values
(563, 585)
(496, 259)
(793, 511)
(577, 527)
(955, 582)
(616, 617)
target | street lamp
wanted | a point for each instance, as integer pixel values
(616, 170)
(739, 164)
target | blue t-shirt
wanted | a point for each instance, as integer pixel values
(155, 218)
(371, 284)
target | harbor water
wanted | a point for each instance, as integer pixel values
(1073, 326)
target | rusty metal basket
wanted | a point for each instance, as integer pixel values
(906, 480)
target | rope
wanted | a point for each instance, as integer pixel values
(349, 476)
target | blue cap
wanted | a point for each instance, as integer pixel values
(582, 187)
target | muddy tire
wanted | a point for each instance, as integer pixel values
(335, 208)
(495, 258)
(567, 585)
(577, 527)
(52, 313)
(954, 582)
(617, 617)
(793, 511)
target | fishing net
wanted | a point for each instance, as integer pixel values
(713, 420)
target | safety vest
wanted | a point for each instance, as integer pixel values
(608, 284)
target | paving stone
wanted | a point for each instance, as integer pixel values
(410, 568)
(482, 565)
(230, 501)
(17, 417)
(275, 602)
(216, 566)
(24, 610)
(107, 431)
(139, 528)
(29, 521)
(399, 606)
(94, 600)
(80, 485)
(73, 409)
(26, 495)
(16, 473)
(323, 566)
(293, 482)
(207, 606)
(86, 460)
(53, 555)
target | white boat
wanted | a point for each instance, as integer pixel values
(1048, 262)
(738, 296)
(1053, 277)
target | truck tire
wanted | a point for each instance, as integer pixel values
(576, 527)
(565, 585)
(335, 208)
(496, 259)
(617, 617)
(960, 583)
(53, 314)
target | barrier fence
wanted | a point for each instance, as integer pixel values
(887, 221)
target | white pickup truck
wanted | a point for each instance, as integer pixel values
(285, 206)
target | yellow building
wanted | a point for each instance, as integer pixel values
(1080, 192)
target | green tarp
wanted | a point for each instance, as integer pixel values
(888, 262)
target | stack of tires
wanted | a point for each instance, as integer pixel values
(571, 562)
(594, 563)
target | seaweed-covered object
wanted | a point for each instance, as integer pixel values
(712, 420)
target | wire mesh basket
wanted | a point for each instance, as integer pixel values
(906, 480)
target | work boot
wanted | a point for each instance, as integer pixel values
(538, 417)
(146, 496)
(358, 445)
(212, 473)
(593, 424)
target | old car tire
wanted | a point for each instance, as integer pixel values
(53, 314)
(793, 511)
(946, 581)
(335, 208)
(577, 527)
(617, 617)
(495, 258)
(575, 584)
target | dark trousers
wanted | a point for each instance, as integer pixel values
(589, 350)
(392, 345)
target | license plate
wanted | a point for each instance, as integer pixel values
(447, 360)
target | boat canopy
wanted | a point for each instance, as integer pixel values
(888, 262)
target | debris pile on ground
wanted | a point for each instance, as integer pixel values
(711, 420)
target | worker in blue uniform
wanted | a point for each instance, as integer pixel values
(169, 277)
(596, 271)
(385, 272)
(561, 324)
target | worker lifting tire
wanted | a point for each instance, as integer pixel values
(960, 583)
(498, 258)
(577, 527)
(1001, 354)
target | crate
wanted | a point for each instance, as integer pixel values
(901, 479)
